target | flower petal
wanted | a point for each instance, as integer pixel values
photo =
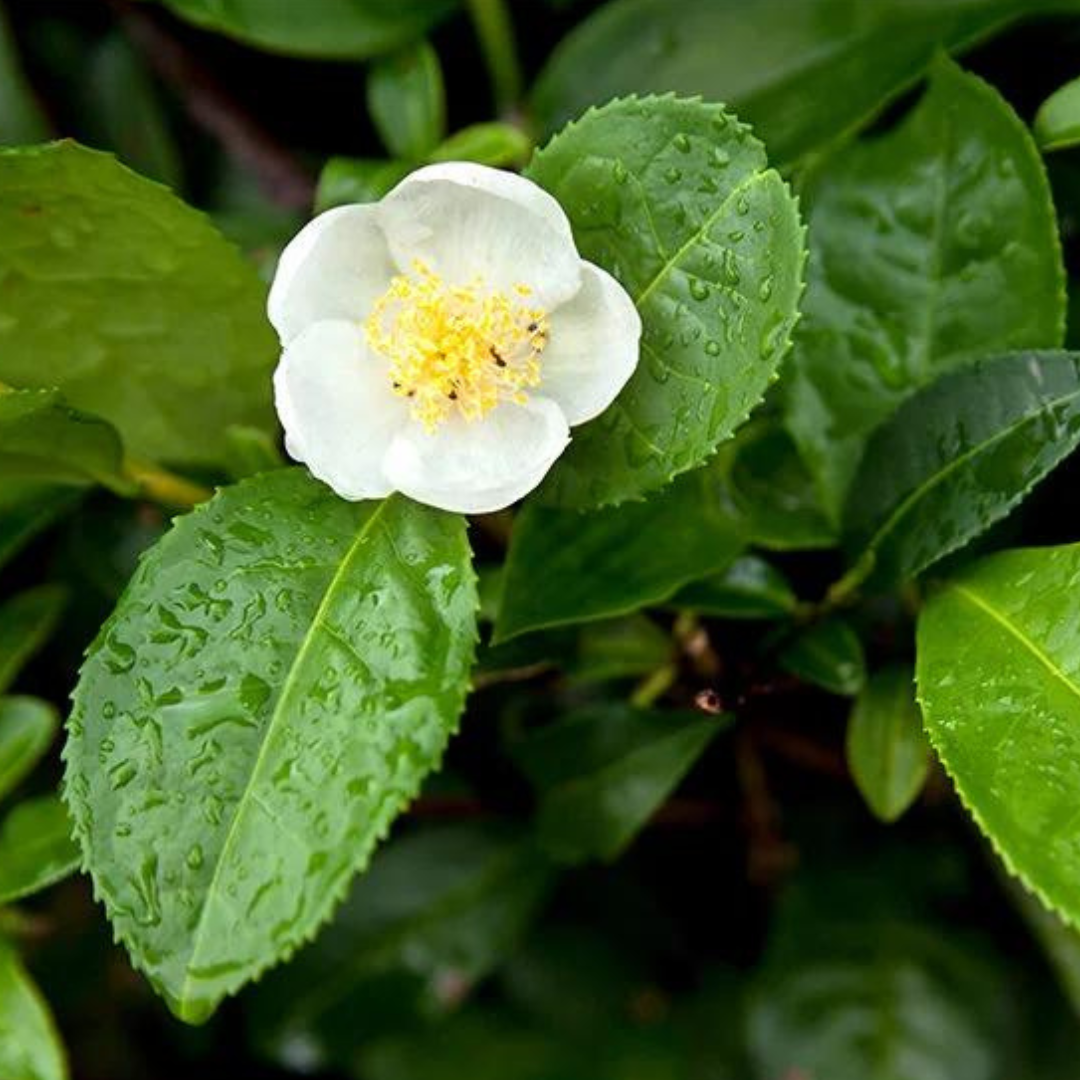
(483, 466)
(465, 220)
(335, 401)
(592, 347)
(334, 268)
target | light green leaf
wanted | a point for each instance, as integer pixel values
(749, 589)
(27, 729)
(43, 439)
(828, 655)
(675, 199)
(565, 567)
(958, 456)
(26, 622)
(887, 751)
(407, 101)
(130, 303)
(30, 1047)
(280, 675)
(494, 143)
(1057, 123)
(21, 118)
(435, 914)
(36, 848)
(804, 74)
(930, 246)
(334, 29)
(345, 180)
(602, 772)
(999, 683)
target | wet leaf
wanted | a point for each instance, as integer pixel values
(27, 729)
(675, 199)
(280, 675)
(830, 655)
(999, 683)
(187, 353)
(26, 622)
(887, 751)
(749, 589)
(36, 848)
(407, 101)
(1057, 123)
(958, 456)
(30, 1047)
(931, 245)
(613, 561)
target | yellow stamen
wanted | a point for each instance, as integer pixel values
(456, 348)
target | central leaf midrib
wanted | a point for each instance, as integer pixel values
(275, 718)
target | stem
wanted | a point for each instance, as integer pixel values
(164, 487)
(491, 18)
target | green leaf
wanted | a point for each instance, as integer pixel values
(999, 683)
(494, 143)
(280, 675)
(27, 729)
(36, 848)
(1059, 941)
(930, 246)
(619, 649)
(804, 74)
(749, 589)
(674, 198)
(958, 456)
(566, 567)
(21, 118)
(407, 101)
(43, 439)
(333, 29)
(26, 622)
(435, 914)
(887, 1001)
(828, 655)
(28, 508)
(345, 180)
(887, 751)
(1057, 123)
(30, 1047)
(602, 773)
(186, 353)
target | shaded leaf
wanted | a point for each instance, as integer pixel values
(407, 101)
(828, 654)
(620, 649)
(26, 622)
(284, 664)
(27, 508)
(346, 180)
(36, 848)
(27, 729)
(749, 589)
(30, 1047)
(21, 118)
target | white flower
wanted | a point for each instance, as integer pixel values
(443, 341)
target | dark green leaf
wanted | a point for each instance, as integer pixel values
(30, 1047)
(749, 589)
(958, 456)
(407, 101)
(21, 118)
(675, 199)
(1057, 123)
(27, 508)
(887, 751)
(252, 450)
(186, 353)
(26, 622)
(802, 73)
(999, 683)
(36, 848)
(437, 911)
(565, 567)
(620, 649)
(930, 246)
(346, 180)
(280, 675)
(27, 729)
(494, 143)
(337, 29)
(828, 655)
(1059, 941)
(603, 772)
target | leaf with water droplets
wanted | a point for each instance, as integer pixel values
(130, 303)
(30, 1047)
(998, 676)
(27, 729)
(280, 675)
(675, 198)
(958, 456)
(36, 848)
(930, 246)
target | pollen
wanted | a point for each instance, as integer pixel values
(457, 349)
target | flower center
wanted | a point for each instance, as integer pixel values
(457, 348)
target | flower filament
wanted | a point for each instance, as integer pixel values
(456, 348)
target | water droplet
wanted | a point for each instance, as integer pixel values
(682, 143)
(673, 175)
(713, 348)
(699, 289)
